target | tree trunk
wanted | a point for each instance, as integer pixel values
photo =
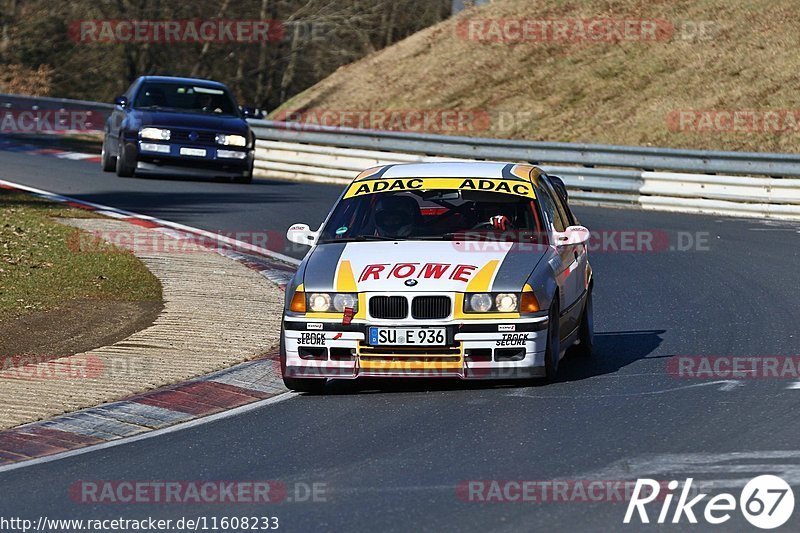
(207, 45)
(288, 74)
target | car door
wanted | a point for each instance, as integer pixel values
(580, 251)
(566, 270)
(117, 118)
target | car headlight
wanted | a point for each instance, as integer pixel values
(506, 302)
(156, 134)
(231, 140)
(342, 301)
(323, 302)
(484, 302)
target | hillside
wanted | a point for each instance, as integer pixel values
(708, 74)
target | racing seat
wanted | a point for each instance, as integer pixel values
(397, 216)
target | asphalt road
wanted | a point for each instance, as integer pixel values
(391, 456)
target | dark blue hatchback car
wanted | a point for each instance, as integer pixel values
(178, 126)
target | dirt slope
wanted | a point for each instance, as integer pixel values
(702, 74)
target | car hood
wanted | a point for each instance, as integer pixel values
(193, 121)
(421, 266)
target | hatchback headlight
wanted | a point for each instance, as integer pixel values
(231, 140)
(485, 302)
(323, 302)
(156, 134)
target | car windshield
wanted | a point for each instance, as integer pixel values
(434, 215)
(184, 98)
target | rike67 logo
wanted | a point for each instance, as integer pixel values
(767, 502)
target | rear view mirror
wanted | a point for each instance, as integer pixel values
(301, 234)
(121, 101)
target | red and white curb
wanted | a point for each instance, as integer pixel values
(241, 385)
(16, 146)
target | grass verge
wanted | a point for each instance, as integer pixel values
(40, 269)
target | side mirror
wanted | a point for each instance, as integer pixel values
(251, 112)
(121, 101)
(301, 234)
(572, 235)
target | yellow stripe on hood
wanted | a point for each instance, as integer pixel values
(345, 281)
(483, 279)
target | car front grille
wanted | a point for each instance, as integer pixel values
(203, 137)
(430, 307)
(388, 307)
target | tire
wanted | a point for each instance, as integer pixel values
(553, 350)
(310, 385)
(586, 335)
(107, 161)
(126, 161)
(244, 179)
(247, 178)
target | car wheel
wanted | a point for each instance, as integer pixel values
(107, 161)
(311, 385)
(553, 343)
(586, 335)
(247, 178)
(126, 161)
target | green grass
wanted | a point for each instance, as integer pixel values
(40, 268)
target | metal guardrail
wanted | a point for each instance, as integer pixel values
(95, 112)
(730, 183)
(699, 161)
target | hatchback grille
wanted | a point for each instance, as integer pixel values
(203, 137)
(390, 307)
(430, 307)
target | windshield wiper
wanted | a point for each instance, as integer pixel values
(442, 237)
(362, 238)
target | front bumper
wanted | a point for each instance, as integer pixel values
(173, 158)
(504, 349)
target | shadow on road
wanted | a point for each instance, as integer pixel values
(612, 352)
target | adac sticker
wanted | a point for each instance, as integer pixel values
(505, 186)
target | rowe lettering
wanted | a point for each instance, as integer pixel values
(417, 270)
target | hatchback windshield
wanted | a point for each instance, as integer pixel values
(434, 215)
(181, 97)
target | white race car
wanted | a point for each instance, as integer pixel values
(463, 270)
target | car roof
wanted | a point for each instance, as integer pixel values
(193, 81)
(456, 169)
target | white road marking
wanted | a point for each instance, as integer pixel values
(726, 385)
(152, 434)
(782, 463)
(794, 386)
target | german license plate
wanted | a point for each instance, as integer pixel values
(407, 337)
(196, 152)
